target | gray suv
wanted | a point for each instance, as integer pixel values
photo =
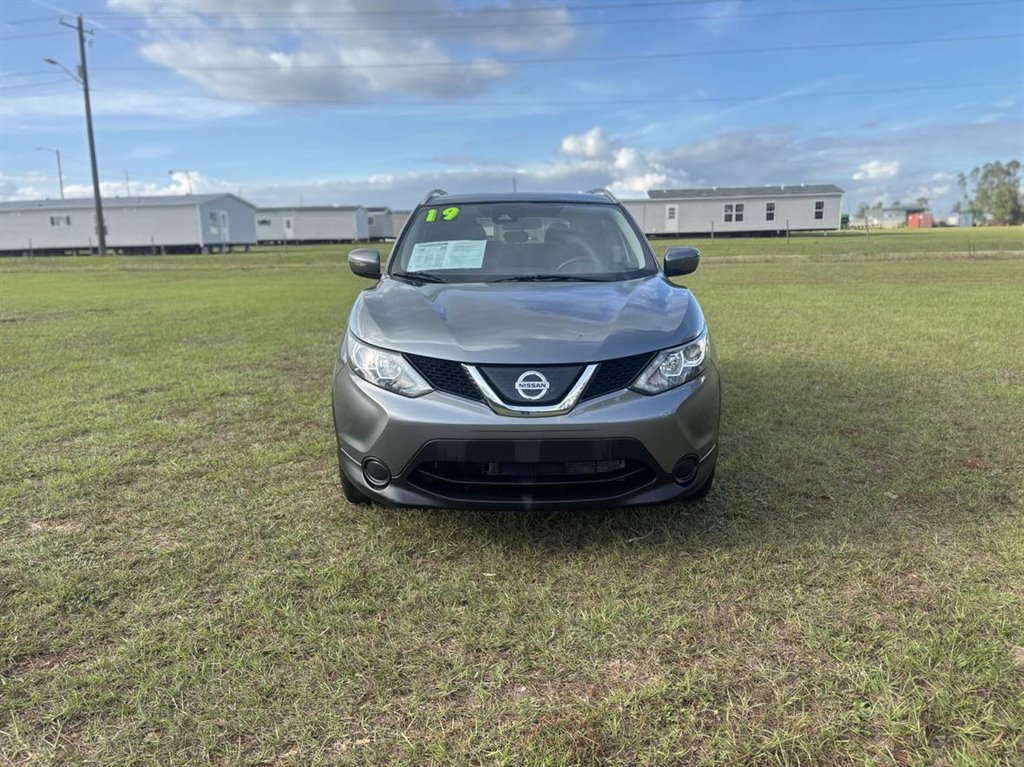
(525, 351)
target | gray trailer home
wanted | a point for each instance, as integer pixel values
(744, 209)
(381, 227)
(312, 224)
(178, 224)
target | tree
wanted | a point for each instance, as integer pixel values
(997, 193)
(922, 201)
(865, 209)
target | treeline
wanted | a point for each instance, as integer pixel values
(992, 193)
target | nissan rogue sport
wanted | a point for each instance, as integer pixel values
(525, 351)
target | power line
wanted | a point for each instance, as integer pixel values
(31, 20)
(580, 59)
(457, 12)
(32, 85)
(608, 102)
(883, 5)
(26, 37)
(314, 25)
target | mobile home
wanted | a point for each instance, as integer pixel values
(398, 219)
(381, 227)
(171, 224)
(313, 224)
(745, 209)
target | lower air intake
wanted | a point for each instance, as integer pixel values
(542, 481)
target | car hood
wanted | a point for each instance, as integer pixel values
(527, 323)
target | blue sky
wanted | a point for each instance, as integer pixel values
(377, 101)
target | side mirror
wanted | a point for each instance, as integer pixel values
(681, 261)
(365, 262)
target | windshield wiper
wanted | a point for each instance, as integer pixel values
(548, 278)
(420, 276)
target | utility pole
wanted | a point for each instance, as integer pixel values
(83, 78)
(60, 172)
(127, 185)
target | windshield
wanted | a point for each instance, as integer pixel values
(521, 241)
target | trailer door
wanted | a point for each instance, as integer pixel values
(672, 218)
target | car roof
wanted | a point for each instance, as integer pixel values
(484, 197)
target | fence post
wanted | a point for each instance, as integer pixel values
(787, 231)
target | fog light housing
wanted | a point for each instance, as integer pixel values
(376, 473)
(685, 469)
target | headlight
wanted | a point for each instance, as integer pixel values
(387, 370)
(674, 367)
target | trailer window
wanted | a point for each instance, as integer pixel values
(739, 211)
(819, 210)
(728, 213)
(60, 221)
(769, 211)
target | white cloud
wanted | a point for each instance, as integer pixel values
(877, 169)
(123, 103)
(593, 157)
(345, 51)
(627, 171)
(591, 144)
(26, 186)
(36, 186)
(589, 159)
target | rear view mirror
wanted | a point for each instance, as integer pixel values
(365, 262)
(681, 261)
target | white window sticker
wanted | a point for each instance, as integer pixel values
(453, 254)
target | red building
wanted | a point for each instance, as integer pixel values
(921, 219)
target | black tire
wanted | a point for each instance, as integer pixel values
(705, 489)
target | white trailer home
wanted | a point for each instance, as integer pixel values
(398, 219)
(312, 224)
(173, 224)
(747, 209)
(381, 226)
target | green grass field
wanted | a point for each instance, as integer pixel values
(181, 581)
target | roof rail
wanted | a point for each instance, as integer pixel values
(432, 194)
(603, 193)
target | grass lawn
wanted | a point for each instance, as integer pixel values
(182, 582)
(860, 245)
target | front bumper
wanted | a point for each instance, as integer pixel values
(447, 451)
